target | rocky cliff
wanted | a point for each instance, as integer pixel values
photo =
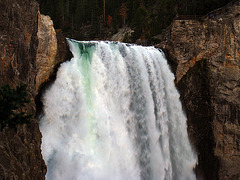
(204, 54)
(30, 51)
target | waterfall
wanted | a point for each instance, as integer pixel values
(113, 113)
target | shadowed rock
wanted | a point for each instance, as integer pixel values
(205, 56)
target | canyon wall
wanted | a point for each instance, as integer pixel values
(204, 54)
(30, 51)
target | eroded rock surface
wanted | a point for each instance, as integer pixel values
(24, 60)
(51, 52)
(47, 49)
(122, 35)
(20, 153)
(205, 57)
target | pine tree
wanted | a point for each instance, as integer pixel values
(109, 21)
(123, 12)
(104, 9)
(12, 102)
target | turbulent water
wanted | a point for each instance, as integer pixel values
(113, 113)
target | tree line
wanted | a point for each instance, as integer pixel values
(91, 19)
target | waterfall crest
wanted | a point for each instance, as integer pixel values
(114, 113)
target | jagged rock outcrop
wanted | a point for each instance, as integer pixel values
(123, 35)
(205, 56)
(47, 49)
(51, 52)
(24, 60)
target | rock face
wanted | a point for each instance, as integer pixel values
(18, 42)
(24, 60)
(47, 49)
(205, 57)
(20, 154)
(51, 52)
(123, 35)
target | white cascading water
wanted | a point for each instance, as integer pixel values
(113, 113)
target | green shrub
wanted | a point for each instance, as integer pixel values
(12, 102)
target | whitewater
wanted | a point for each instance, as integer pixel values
(113, 113)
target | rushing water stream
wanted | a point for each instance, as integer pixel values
(113, 113)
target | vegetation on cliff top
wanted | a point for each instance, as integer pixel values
(91, 19)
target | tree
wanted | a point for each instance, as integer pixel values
(123, 12)
(104, 9)
(12, 102)
(109, 21)
(76, 16)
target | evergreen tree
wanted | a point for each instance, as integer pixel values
(123, 12)
(147, 17)
(12, 102)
